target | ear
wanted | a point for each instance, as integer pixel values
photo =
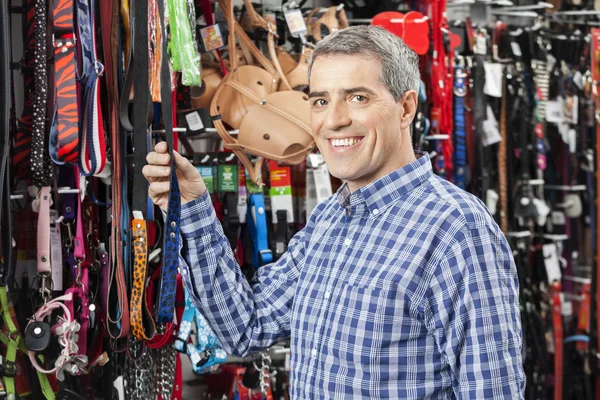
(409, 101)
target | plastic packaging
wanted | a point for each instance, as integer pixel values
(183, 47)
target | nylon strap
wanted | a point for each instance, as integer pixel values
(10, 365)
(460, 149)
(166, 297)
(596, 94)
(92, 157)
(41, 166)
(257, 226)
(65, 138)
(43, 232)
(558, 340)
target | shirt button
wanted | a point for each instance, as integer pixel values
(314, 352)
(376, 211)
(327, 294)
(347, 242)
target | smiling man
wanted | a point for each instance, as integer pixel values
(401, 286)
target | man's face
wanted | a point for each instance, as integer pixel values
(358, 126)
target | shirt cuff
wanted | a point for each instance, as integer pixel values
(196, 216)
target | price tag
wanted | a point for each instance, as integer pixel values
(228, 178)
(212, 38)
(194, 121)
(295, 22)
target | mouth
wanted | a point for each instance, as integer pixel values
(341, 145)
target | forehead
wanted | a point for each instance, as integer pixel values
(334, 72)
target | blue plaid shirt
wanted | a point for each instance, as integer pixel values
(404, 289)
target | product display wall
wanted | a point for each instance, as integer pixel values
(92, 297)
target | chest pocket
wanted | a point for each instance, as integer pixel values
(361, 322)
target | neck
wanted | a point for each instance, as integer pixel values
(405, 156)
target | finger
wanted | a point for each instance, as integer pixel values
(157, 189)
(155, 158)
(185, 166)
(161, 147)
(156, 172)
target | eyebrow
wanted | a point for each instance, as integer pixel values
(344, 92)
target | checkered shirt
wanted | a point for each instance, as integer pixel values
(403, 289)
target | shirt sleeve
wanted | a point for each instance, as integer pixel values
(246, 317)
(473, 311)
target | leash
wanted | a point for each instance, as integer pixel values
(502, 157)
(92, 155)
(460, 149)
(22, 141)
(167, 290)
(64, 135)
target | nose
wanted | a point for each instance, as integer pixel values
(337, 117)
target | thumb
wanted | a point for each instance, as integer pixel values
(184, 166)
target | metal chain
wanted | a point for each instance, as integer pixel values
(265, 380)
(117, 369)
(167, 363)
(139, 371)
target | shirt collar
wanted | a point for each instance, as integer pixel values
(381, 193)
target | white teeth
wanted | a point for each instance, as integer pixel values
(344, 142)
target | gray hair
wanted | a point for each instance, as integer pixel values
(399, 63)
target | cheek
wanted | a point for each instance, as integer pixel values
(316, 122)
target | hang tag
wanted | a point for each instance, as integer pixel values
(542, 211)
(551, 263)
(251, 186)
(491, 201)
(269, 17)
(295, 22)
(558, 218)
(490, 129)
(56, 248)
(207, 174)
(493, 79)
(566, 307)
(194, 122)
(281, 190)
(554, 112)
(212, 38)
(571, 109)
(316, 162)
(516, 49)
(242, 205)
(227, 178)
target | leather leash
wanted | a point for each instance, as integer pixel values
(167, 290)
(502, 154)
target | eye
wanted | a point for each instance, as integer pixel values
(359, 98)
(319, 103)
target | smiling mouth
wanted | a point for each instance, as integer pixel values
(345, 142)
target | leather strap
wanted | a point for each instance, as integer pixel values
(65, 140)
(502, 154)
(92, 157)
(168, 281)
(5, 180)
(43, 232)
(22, 141)
(141, 318)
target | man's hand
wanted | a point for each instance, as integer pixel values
(158, 173)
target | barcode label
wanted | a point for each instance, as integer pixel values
(194, 121)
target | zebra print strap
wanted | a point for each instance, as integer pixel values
(41, 167)
(65, 136)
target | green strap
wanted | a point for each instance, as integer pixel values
(13, 345)
(11, 357)
(12, 329)
(183, 48)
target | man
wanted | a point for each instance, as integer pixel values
(401, 285)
